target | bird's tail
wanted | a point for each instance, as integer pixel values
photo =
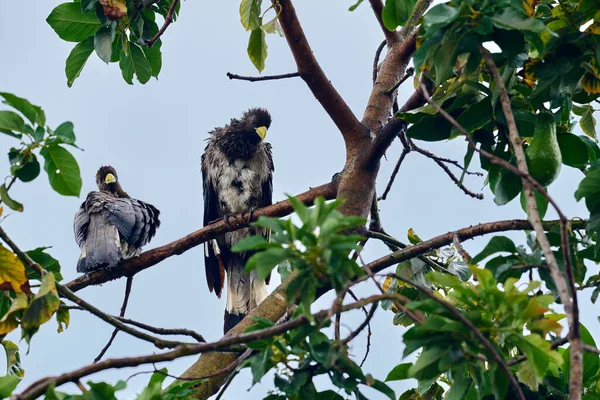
(102, 247)
(245, 291)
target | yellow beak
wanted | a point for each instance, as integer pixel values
(110, 178)
(262, 132)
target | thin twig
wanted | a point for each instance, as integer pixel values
(429, 154)
(128, 284)
(164, 331)
(244, 356)
(461, 250)
(81, 386)
(262, 78)
(168, 20)
(62, 290)
(405, 151)
(409, 72)
(368, 347)
(376, 59)
(562, 285)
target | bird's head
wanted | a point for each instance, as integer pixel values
(253, 123)
(108, 180)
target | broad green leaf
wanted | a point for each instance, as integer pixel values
(33, 113)
(88, 5)
(12, 121)
(573, 150)
(46, 261)
(507, 188)
(588, 123)
(13, 359)
(103, 43)
(440, 15)
(475, 116)
(400, 372)
(63, 170)
(250, 243)
(24, 166)
(514, 18)
(154, 388)
(141, 65)
(426, 365)
(430, 129)
(154, 56)
(44, 304)
(396, 12)
(539, 353)
(266, 260)
(71, 24)
(460, 387)
(77, 59)
(589, 187)
(257, 48)
(65, 132)
(6, 199)
(591, 361)
(13, 276)
(126, 65)
(496, 245)
(250, 14)
(7, 385)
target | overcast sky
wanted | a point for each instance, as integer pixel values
(154, 135)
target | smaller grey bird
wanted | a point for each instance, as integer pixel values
(111, 226)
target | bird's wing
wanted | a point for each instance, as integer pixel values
(80, 224)
(267, 192)
(135, 220)
(213, 262)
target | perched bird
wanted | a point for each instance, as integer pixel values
(111, 226)
(237, 174)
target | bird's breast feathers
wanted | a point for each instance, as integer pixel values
(238, 181)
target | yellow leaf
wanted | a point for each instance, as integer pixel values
(10, 321)
(44, 304)
(13, 277)
(529, 6)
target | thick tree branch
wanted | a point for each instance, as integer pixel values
(152, 257)
(262, 78)
(310, 71)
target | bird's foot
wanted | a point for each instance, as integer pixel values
(226, 220)
(250, 212)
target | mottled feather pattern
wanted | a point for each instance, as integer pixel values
(237, 172)
(111, 226)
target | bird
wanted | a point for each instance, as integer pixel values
(237, 176)
(111, 226)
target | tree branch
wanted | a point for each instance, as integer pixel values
(390, 36)
(262, 78)
(310, 71)
(562, 285)
(152, 257)
(168, 20)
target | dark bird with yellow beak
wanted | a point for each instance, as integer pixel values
(110, 225)
(237, 173)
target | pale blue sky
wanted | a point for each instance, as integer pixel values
(154, 136)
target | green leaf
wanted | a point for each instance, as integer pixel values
(62, 169)
(355, 6)
(47, 262)
(266, 260)
(396, 12)
(299, 208)
(71, 24)
(496, 245)
(573, 150)
(588, 123)
(591, 361)
(103, 42)
(154, 56)
(589, 187)
(63, 317)
(141, 65)
(44, 304)
(250, 14)
(514, 18)
(438, 16)
(250, 243)
(33, 113)
(88, 5)
(400, 372)
(507, 188)
(460, 387)
(8, 384)
(6, 199)
(77, 59)
(430, 129)
(13, 359)
(427, 364)
(541, 202)
(257, 48)
(65, 132)
(126, 65)
(475, 116)
(12, 121)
